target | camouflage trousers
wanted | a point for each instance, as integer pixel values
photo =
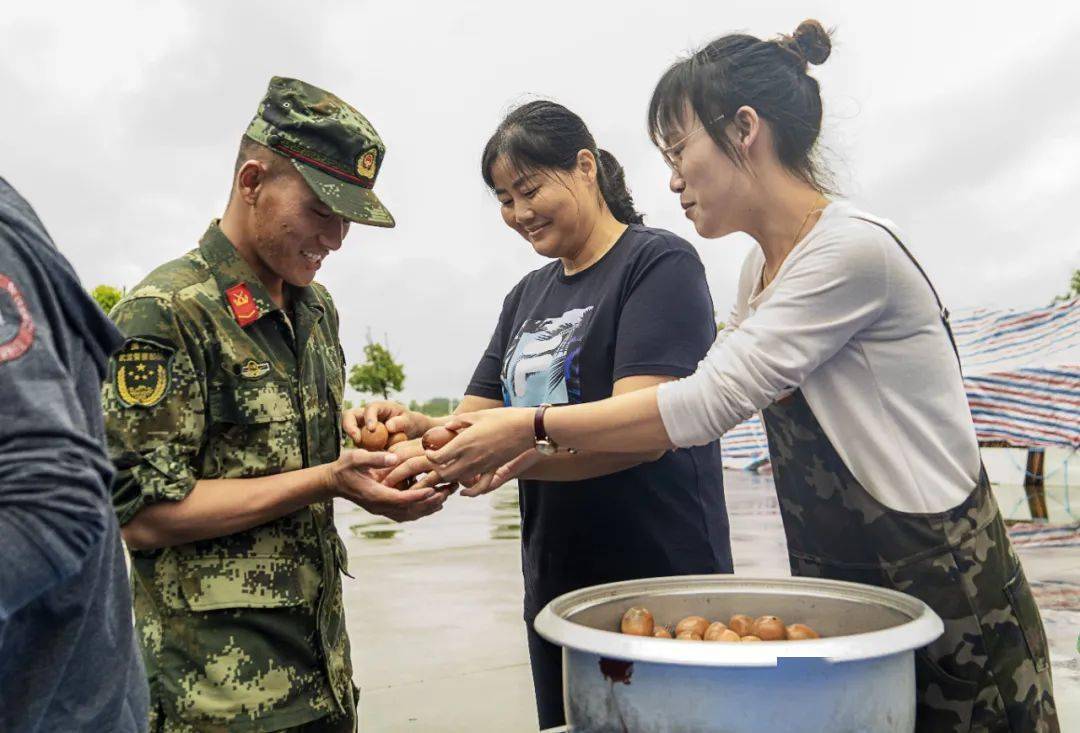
(331, 724)
(336, 723)
(990, 669)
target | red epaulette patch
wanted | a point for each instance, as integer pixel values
(243, 305)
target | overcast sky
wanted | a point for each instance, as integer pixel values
(121, 120)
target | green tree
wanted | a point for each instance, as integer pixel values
(379, 374)
(436, 406)
(106, 296)
(1074, 289)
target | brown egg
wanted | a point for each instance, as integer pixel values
(661, 632)
(374, 439)
(712, 633)
(769, 628)
(798, 632)
(696, 624)
(396, 438)
(437, 437)
(750, 637)
(637, 621)
(741, 624)
(688, 636)
(725, 635)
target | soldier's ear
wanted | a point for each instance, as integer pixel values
(250, 178)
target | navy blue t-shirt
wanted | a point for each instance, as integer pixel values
(643, 309)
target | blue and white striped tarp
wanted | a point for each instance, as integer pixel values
(1021, 371)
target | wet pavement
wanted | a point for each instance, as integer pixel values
(434, 608)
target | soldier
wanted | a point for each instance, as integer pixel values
(222, 409)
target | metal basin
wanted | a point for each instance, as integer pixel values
(860, 677)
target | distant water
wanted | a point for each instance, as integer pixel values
(496, 517)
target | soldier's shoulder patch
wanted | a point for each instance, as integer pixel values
(143, 372)
(16, 324)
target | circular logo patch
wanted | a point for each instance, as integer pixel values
(16, 325)
(365, 165)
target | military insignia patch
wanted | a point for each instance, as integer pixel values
(243, 305)
(365, 164)
(16, 325)
(143, 373)
(252, 369)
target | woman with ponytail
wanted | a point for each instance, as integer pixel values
(621, 307)
(839, 340)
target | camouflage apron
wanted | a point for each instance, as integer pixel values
(990, 670)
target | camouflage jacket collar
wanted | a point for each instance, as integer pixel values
(306, 298)
(231, 272)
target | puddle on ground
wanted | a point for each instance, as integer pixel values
(376, 530)
(496, 516)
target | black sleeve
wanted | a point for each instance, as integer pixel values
(53, 474)
(667, 322)
(487, 378)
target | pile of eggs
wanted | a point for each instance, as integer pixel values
(638, 621)
(379, 438)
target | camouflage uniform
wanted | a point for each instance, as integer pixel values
(990, 670)
(244, 632)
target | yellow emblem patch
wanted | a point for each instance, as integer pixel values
(143, 373)
(365, 164)
(254, 369)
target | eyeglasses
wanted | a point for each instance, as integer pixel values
(669, 158)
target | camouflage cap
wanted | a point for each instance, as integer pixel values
(334, 147)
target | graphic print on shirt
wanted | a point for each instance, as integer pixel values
(541, 363)
(16, 325)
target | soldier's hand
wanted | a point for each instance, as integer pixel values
(396, 417)
(352, 477)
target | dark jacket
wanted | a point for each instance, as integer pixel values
(68, 657)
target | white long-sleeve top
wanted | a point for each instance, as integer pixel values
(849, 320)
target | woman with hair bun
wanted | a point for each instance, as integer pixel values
(839, 340)
(621, 307)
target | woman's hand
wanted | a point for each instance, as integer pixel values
(491, 481)
(485, 441)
